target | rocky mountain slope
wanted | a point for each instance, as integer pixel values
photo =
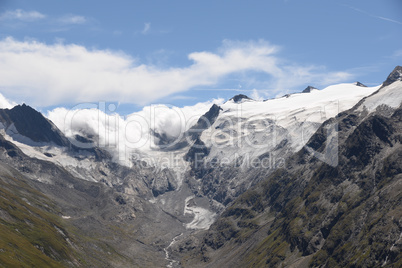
(250, 135)
(312, 213)
(28, 125)
(251, 183)
(50, 216)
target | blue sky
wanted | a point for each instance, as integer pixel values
(135, 53)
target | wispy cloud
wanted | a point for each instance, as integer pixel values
(22, 15)
(256, 94)
(372, 15)
(69, 73)
(147, 27)
(30, 16)
(390, 20)
(398, 53)
(73, 19)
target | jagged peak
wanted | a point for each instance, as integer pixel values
(308, 89)
(213, 111)
(23, 107)
(207, 119)
(395, 75)
(239, 98)
(32, 124)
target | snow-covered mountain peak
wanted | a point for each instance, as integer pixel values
(390, 95)
(253, 128)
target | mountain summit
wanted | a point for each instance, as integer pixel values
(357, 83)
(395, 75)
(308, 89)
(239, 98)
(26, 121)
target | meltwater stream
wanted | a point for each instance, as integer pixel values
(172, 263)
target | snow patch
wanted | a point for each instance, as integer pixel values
(203, 218)
(253, 128)
(390, 95)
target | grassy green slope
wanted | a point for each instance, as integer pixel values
(31, 233)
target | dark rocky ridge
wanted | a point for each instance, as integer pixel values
(198, 150)
(30, 123)
(204, 122)
(360, 84)
(308, 89)
(395, 75)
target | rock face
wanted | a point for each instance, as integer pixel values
(31, 124)
(360, 84)
(198, 150)
(239, 98)
(192, 134)
(205, 122)
(313, 213)
(48, 216)
(308, 89)
(395, 75)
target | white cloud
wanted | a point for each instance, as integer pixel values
(5, 103)
(73, 19)
(390, 20)
(23, 15)
(29, 16)
(256, 95)
(295, 76)
(52, 74)
(133, 133)
(147, 27)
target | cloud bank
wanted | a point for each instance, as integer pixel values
(133, 133)
(5, 103)
(54, 74)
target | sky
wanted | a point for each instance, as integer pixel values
(180, 53)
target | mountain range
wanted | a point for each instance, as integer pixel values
(311, 179)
